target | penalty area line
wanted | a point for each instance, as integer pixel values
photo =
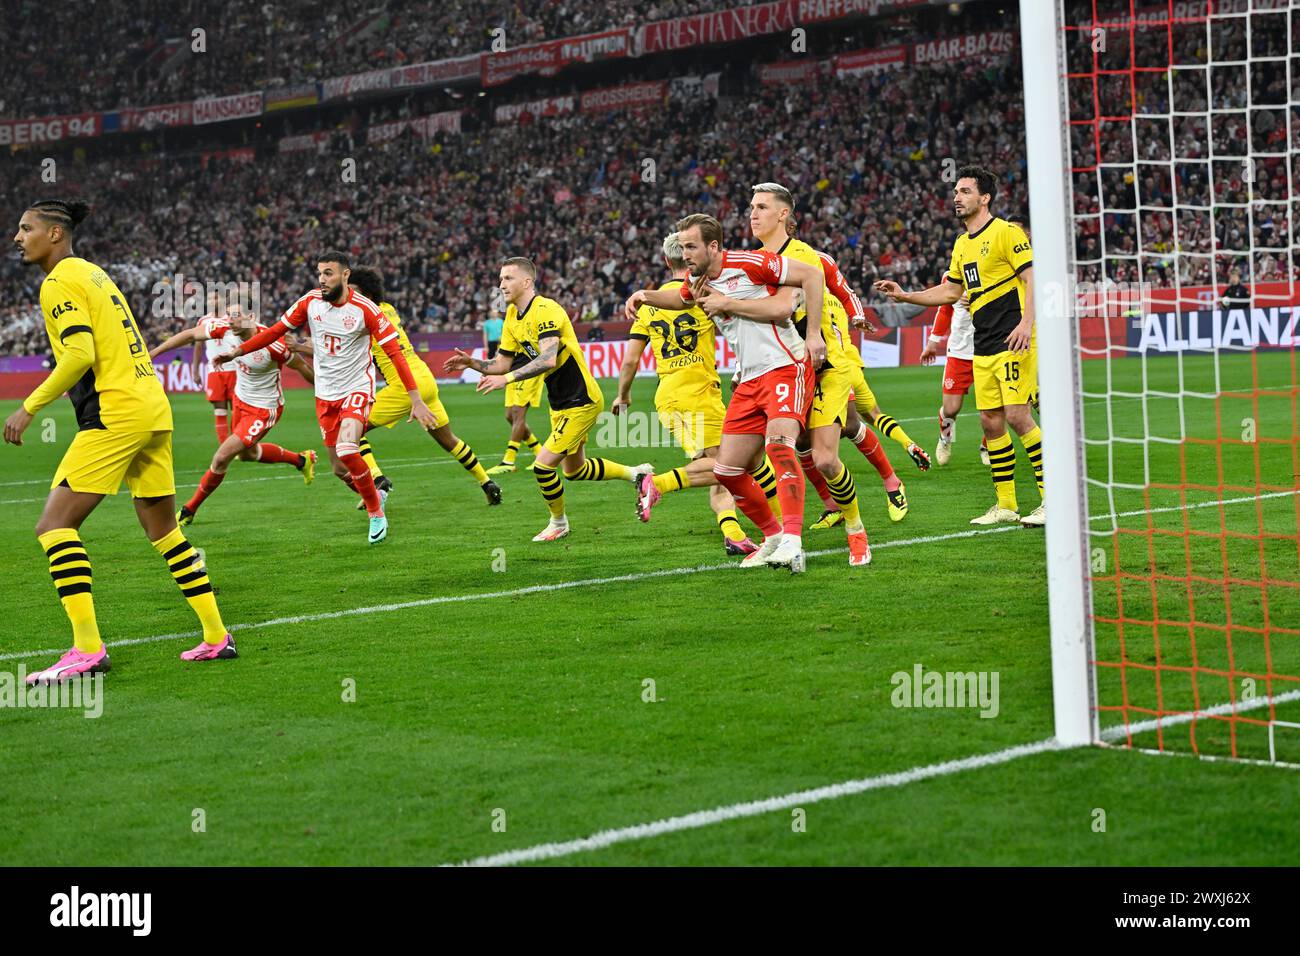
(753, 808)
(492, 595)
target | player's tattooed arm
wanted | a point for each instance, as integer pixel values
(461, 360)
(550, 349)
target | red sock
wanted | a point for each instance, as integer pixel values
(817, 479)
(207, 484)
(869, 445)
(363, 483)
(789, 486)
(749, 497)
(223, 426)
(275, 454)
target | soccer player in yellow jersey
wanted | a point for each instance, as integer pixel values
(125, 432)
(393, 405)
(993, 263)
(688, 400)
(540, 328)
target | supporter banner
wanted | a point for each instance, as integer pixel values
(152, 117)
(551, 106)
(51, 129)
(871, 61)
(815, 11)
(549, 57)
(341, 86)
(219, 108)
(721, 27)
(797, 71)
(293, 144)
(292, 97)
(438, 71)
(991, 43)
(628, 96)
(240, 154)
(423, 126)
(695, 85)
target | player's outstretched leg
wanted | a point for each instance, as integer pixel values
(650, 488)
(865, 441)
(889, 427)
(457, 448)
(825, 440)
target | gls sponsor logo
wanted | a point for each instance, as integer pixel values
(60, 309)
(1020, 247)
(103, 909)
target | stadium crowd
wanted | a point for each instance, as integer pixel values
(865, 155)
(250, 45)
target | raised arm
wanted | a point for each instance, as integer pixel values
(659, 298)
(184, 337)
(946, 292)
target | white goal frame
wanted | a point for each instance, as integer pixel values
(1065, 494)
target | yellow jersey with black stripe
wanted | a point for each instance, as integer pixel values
(989, 264)
(569, 384)
(683, 344)
(120, 390)
(835, 321)
(419, 368)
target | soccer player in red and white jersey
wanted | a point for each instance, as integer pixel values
(258, 402)
(343, 323)
(772, 388)
(219, 384)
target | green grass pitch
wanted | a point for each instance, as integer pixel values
(481, 702)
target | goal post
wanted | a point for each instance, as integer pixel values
(1065, 492)
(1162, 157)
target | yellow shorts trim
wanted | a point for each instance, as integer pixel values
(693, 419)
(99, 460)
(393, 406)
(1008, 378)
(831, 398)
(526, 394)
(861, 390)
(570, 427)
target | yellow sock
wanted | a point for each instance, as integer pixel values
(846, 496)
(730, 526)
(675, 480)
(192, 578)
(368, 456)
(766, 479)
(1002, 462)
(1032, 443)
(512, 449)
(890, 428)
(601, 469)
(548, 479)
(533, 444)
(465, 455)
(70, 571)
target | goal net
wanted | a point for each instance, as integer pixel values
(1176, 368)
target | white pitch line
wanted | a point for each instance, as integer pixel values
(753, 808)
(514, 592)
(737, 811)
(561, 586)
(395, 463)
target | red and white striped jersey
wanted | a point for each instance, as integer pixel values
(759, 346)
(341, 336)
(257, 374)
(955, 322)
